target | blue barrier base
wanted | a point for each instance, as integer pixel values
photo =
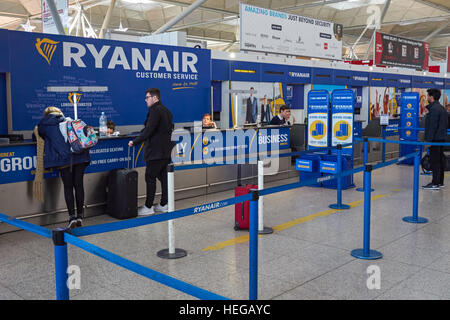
(411, 219)
(164, 254)
(373, 254)
(266, 230)
(339, 206)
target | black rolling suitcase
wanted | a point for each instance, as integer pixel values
(122, 192)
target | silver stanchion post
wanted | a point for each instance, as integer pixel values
(261, 228)
(171, 252)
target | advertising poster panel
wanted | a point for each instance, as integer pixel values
(401, 52)
(278, 32)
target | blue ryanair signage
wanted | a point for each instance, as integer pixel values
(342, 114)
(318, 119)
(409, 118)
(103, 75)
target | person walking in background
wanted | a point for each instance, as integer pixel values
(436, 131)
(54, 153)
(157, 135)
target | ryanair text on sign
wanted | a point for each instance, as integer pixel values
(146, 64)
(210, 206)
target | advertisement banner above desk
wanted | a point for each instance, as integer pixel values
(278, 32)
(103, 75)
(401, 52)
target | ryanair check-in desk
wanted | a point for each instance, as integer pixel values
(18, 160)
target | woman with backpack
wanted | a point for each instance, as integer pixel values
(53, 151)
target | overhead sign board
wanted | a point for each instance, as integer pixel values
(271, 31)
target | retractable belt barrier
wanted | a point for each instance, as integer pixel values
(61, 237)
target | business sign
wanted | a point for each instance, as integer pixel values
(342, 114)
(103, 75)
(401, 52)
(267, 30)
(48, 24)
(317, 119)
(213, 145)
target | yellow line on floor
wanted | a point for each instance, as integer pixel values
(290, 224)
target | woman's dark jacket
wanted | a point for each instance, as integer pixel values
(56, 150)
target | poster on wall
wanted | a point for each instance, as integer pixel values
(270, 31)
(104, 75)
(446, 98)
(264, 100)
(383, 100)
(48, 24)
(448, 59)
(423, 102)
(401, 52)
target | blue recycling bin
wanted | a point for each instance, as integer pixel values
(308, 167)
(347, 164)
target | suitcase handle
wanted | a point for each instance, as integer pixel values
(128, 162)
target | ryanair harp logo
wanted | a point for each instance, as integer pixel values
(46, 48)
(75, 95)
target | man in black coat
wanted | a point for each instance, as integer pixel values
(436, 131)
(157, 135)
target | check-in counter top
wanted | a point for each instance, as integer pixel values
(27, 142)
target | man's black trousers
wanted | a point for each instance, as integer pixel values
(437, 161)
(156, 169)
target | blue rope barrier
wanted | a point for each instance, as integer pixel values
(308, 182)
(142, 221)
(143, 271)
(26, 226)
(395, 161)
(415, 143)
(416, 129)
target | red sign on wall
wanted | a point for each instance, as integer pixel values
(400, 52)
(448, 59)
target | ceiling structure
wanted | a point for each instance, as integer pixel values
(217, 21)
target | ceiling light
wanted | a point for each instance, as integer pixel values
(27, 26)
(232, 55)
(351, 4)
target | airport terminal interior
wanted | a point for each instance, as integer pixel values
(313, 176)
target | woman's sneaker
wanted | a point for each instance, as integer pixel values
(72, 223)
(159, 208)
(145, 211)
(79, 221)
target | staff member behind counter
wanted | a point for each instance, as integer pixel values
(283, 117)
(207, 122)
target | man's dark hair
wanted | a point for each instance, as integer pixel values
(284, 107)
(154, 92)
(435, 93)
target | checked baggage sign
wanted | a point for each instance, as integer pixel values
(342, 114)
(318, 119)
